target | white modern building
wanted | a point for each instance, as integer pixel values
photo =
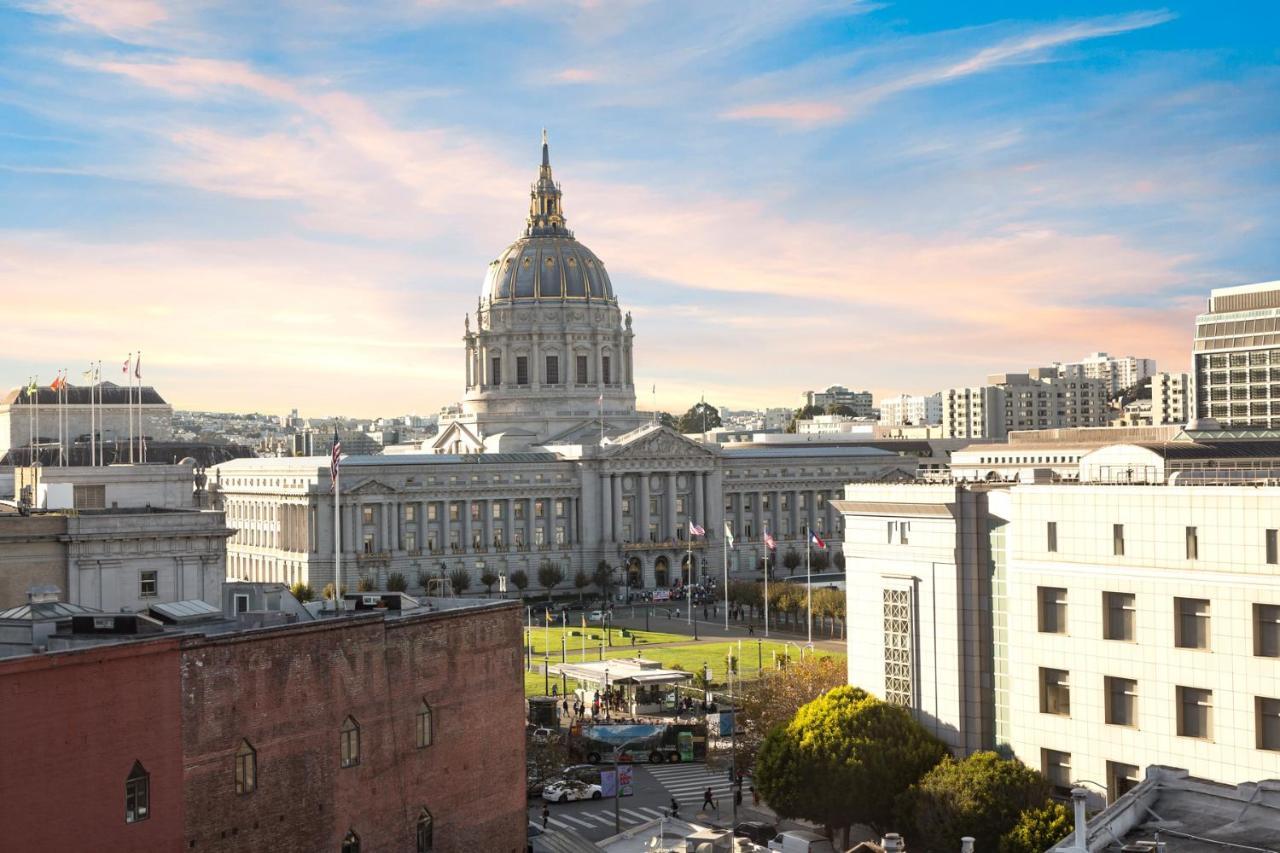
(1171, 397)
(1237, 357)
(1089, 629)
(1119, 372)
(1037, 399)
(835, 425)
(838, 395)
(911, 409)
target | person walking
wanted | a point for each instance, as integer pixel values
(546, 815)
(707, 801)
(675, 807)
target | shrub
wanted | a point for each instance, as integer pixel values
(303, 592)
(396, 582)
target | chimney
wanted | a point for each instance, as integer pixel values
(892, 843)
(1078, 799)
(966, 844)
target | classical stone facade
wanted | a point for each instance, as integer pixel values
(24, 416)
(547, 458)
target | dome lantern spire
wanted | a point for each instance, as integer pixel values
(546, 217)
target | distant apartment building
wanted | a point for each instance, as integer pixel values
(1089, 629)
(833, 425)
(911, 409)
(838, 395)
(1119, 372)
(1171, 396)
(1236, 356)
(1038, 399)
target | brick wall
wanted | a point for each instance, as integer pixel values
(71, 726)
(30, 555)
(288, 691)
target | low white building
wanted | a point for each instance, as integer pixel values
(1171, 400)
(911, 409)
(1089, 629)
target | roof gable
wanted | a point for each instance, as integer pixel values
(657, 443)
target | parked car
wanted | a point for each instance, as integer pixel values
(544, 735)
(757, 830)
(566, 790)
(581, 773)
(596, 616)
(801, 841)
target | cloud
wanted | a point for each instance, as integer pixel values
(849, 102)
(576, 75)
(116, 18)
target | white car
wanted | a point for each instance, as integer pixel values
(566, 790)
(595, 616)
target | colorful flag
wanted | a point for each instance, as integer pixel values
(137, 366)
(32, 387)
(335, 460)
(728, 534)
(769, 541)
(127, 362)
(695, 530)
(53, 386)
(816, 540)
(549, 619)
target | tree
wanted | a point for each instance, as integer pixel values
(396, 582)
(488, 579)
(327, 592)
(774, 698)
(837, 409)
(302, 592)
(549, 576)
(1038, 829)
(666, 420)
(803, 413)
(460, 580)
(791, 559)
(602, 577)
(981, 796)
(520, 580)
(364, 584)
(818, 560)
(702, 416)
(581, 580)
(845, 758)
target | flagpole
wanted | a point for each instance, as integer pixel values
(102, 444)
(37, 418)
(766, 585)
(808, 579)
(62, 419)
(726, 584)
(128, 376)
(93, 439)
(337, 537)
(688, 594)
(137, 375)
(31, 425)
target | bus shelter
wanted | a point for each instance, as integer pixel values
(637, 686)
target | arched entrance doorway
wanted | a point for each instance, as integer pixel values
(635, 573)
(661, 570)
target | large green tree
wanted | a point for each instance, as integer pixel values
(701, 416)
(549, 575)
(845, 758)
(773, 699)
(520, 580)
(1038, 829)
(981, 796)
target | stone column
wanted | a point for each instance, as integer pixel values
(616, 493)
(607, 519)
(528, 523)
(466, 526)
(669, 519)
(795, 511)
(698, 512)
(811, 512)
(535, 367)
(642, 535)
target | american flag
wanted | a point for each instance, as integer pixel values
(336, 460)
(769, 541)
(696, 530)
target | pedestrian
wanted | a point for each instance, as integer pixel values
(707, 801)
(565, 705)
(546, 815)
(675, 807)
(751, 630)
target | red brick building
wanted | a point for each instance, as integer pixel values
(396, 732)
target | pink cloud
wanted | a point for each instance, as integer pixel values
(118, 18)
(795, 112)
(577, 75)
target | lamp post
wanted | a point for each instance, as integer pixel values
(617, 787)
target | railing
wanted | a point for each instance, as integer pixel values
(665, 545)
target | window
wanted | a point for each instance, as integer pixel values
(1051, 531)
(366, 514)
(1118, 618)
(1273, 547)
(1056, 767)
(680, 504)
(475, 511)
(495, 511)
(147, 584)
(765, 502)
(1053, 610)
(455, 511)
(605, 375)
(1055, 692)
(898, 688)
(539, 536)
(559, 509)
(1267, 722)
(495, 375)
(1120, 779)
(895, 530)
(1266, 630)
(1117, 540)
(1191, 623)
(1193, 544)
(424, 831)
(522, 370)
(410, 540)
(582, 370)
(89, 497)
(553, 370)
(1195, 712)
(431, 512)
(368, 543)
(560, 534)
(351, 842)
(424, 725)
(350, 738)
(137, 794)
(246, 768)
(410, 512)
(539, 509)
(1122, 701)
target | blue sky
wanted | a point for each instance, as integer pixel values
(293, 204)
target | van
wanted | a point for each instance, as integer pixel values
(801, 841)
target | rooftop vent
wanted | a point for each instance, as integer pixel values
(43, 594)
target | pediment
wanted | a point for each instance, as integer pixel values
(369, 487)
(471, 443)
(655, 441)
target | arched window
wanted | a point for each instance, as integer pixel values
(137, 794)
(246, 768)
(350, 738)
(425, 733)
(425, 827)
(351, 842)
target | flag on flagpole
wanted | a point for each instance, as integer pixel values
(137, 366)
(728, 534)
(816, 540)
(549, 619)
(696, 530)
(769, 541)
(335, 460)
(127, 363)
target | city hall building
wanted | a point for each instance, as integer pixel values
(547, 458)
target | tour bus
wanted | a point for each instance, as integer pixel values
(655, 743)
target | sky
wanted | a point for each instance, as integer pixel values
(293, 204)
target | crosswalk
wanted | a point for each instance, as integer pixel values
(687, 782)
(602, 818)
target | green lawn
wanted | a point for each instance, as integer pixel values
(593, 637)
(689, 656)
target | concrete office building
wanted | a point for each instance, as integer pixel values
(1119, 372)
(838, 395)
(1037, 399)
(1236, 357)
(1090, 629)
(911, 409)
(1171, 396)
